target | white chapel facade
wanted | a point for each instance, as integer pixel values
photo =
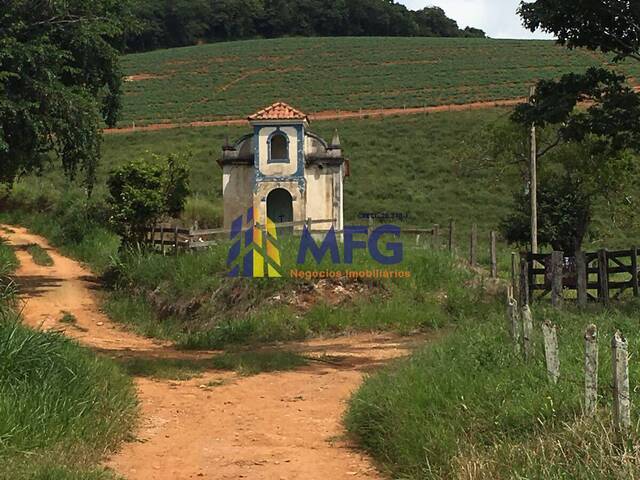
(284, 171)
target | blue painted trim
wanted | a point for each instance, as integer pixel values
(297, 176)
(270, 159)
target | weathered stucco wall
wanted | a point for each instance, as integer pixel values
(320, 194)
(237, 190)
(277, 169)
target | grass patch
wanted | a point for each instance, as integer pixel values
(243, 363)
(61, 407)
(58, 401)
(40, 255)
(470, 405)
(68, 318)
(252, 363)
(189, 298)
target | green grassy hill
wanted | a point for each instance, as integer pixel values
(235, 79)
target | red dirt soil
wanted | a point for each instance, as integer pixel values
(284, 425)
(330, 115)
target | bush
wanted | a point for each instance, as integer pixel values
(141, 192)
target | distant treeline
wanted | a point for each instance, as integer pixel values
(175, 23)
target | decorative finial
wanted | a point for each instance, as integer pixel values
(336, 139)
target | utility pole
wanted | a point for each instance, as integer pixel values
(533, 180)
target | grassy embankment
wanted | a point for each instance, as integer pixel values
(61, 407)
(470, 407)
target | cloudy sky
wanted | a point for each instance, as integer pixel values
(496, 17)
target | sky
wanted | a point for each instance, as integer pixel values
(497, 18)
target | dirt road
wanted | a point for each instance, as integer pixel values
(283, 425)
(330, 115)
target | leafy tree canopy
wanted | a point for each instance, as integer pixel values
(612, 26)
(59, 78)
(187, 22)
(589, 128)
(611, 115)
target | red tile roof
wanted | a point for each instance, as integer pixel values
(279, 111)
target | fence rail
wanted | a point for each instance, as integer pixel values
(167, 237)
(593, 275)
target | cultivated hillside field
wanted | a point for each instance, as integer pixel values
(232, 80)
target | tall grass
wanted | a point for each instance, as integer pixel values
(469, 407)
(61, 407)
(200, 307)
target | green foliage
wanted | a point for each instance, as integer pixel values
(61, 407)
(201, 307)
(57, 400)
(40, 255)
(564, 212)
(611, 122)
(141, 192)
(241, 362)
(70, 221)
(590, 158)
(187, 22)
(606, 25)
(203, 211)
(469, 404)
(59, 76)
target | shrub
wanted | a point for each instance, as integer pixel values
(141, 192)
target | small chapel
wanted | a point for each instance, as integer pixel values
(284, 171)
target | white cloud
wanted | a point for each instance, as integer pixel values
(496, 17)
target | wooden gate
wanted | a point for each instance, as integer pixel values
(604, 272)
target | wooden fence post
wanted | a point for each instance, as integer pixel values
(590, 370)
(514, 275)
(551, 353)
(557, 267)
(162, 239)
(603, 277)
(473, 247)
(436, 236)
(620, 364)
(524, 279)
(527, 331)
(452, 227)
(494, 260)
(582, 279)
(634, 271)
(513, 322)
(175, 240)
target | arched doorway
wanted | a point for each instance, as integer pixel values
(280, 206)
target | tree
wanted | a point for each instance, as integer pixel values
(142, 192)
(564, 213)
(612, 26)
(59, 79)
(168, 23)
(587, 151)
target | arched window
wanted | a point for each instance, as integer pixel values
(278, 148)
